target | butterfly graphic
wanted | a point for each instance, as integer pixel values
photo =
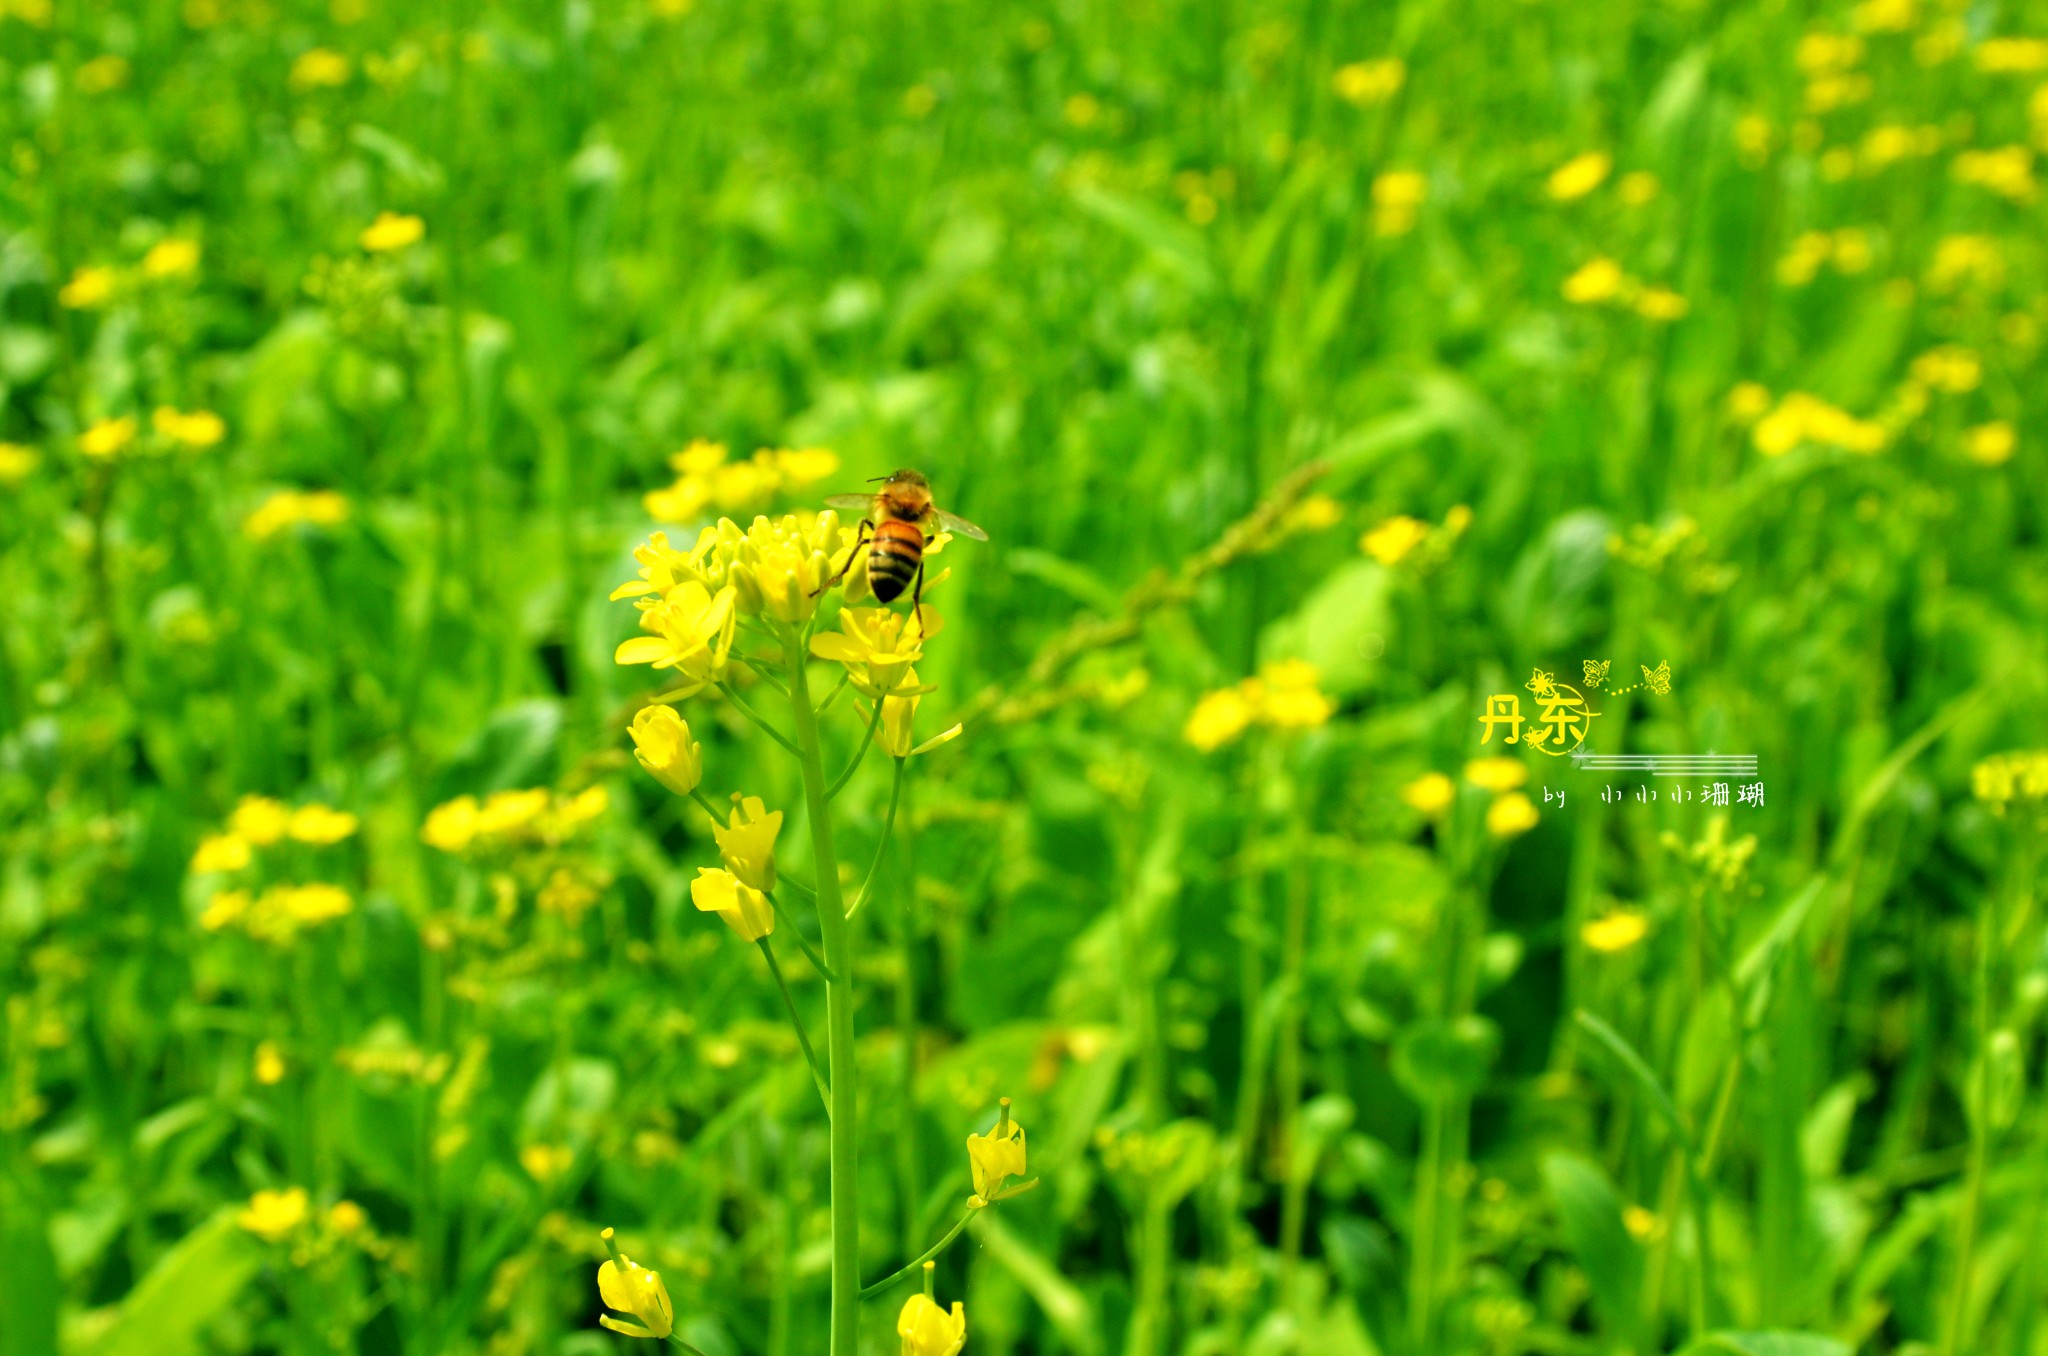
(1659, 679)
(1596, 671)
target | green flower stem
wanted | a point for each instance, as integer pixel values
(839, 1048)
(1287, 1067)
(888, 830)
(853, 763)
(684, 1345)
(1980, 1138)
(803, 1037)
(879, 1286)
(766, 674)
(817, 961)
(750, 713)
(832, 697)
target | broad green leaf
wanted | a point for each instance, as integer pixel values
(185, 1291)
(1436, 1060)
(1590, 1211)
(28, 1277)
(1767, 1344)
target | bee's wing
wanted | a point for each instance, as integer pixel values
(849, 501)
(956, 524)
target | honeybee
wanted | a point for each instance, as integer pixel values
(901, 513)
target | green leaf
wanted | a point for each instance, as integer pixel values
(28, 1317)
(1174, 244)
(1436, 1060)
(184, 1291)
(1767, 1344)
(1590, 1211)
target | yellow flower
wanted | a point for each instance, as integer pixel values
(1580, 175)
(320, 825)
(102, 73)
(878, 647)
(1598, 280)
(1990, 444)
(260, 819)
(107, 437)
(748, 843)
(1397, 197)
(1509, 815)
(691, 630)
(274, 1215)
(392, 231)
(545, 1162)
(2006, 777)
(1748, 401)
(201, 428)
(1392, 540)
(1288, 698)
(1431, 793)
(507, 812)
(288, 508)
(171, 257)
(224, 909)
(1370, 82)
(744, 909)
(1618, 931)
(451, 827)
(1662, 304)
(662, 743)
(781, 565)
(1496, 774)
(269, 1064)
(1218, 718)
(89, 287)
(16, 462)
(1642, 1225)
(1638, 187)
(221, 852)
(928, 1330)
(805, 466)
(636, 1293)
(997, 1155)
(319, 67)
(1082, 109)
(346, 1218)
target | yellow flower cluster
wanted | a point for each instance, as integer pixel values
(512, 819)
(200, 428)
(1800, 418)
(107, 438)
(17, 463)
(1601, 281)
(1394, 539)
(319, 68)
(1847, 249)
(1283, 696)
(688, 600)
(290, 508)
(259, 821)
(2006, 778)
(1580, 175)
(392, 231)
(1511, 812)
(2007, 171)
(1397, 198)
(879, 648)
(1619, 930)
(1829, 61)
(1364, 83)
(275, 1215)
(706, 479)
(1960, 259)
(2012, 56)
(280, 913)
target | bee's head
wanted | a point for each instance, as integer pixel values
(903, 478)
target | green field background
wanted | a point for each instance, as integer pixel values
(1434, 345)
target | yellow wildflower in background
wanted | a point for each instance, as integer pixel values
(928, 1330)
(171, 257)
(1950, 368)
(1662, 304)
(747, 843)
(274, 1215)
(1397, 198)
(17, 463)
(1638, 187)
(2003, 778)
(346, 1218)
(392, 231)
(268, 1064)
(1218, 718)
(1597, 280)
(451, 826)
(1082, 109)
(260, 819)
(106, 438)
(545, 1162)
(1288, 696)
(320, 825)
(1580, 175)
(221, 852)
(1990, 444)
(2005, 170)
(292, 508)
(1618, 931)
(200, 428)
(638, 1295)
(745, 909)
(1391, 541)
(319, 68)
(89, 287)
(1431, 793)
(2021, 56)
(1802, 418)
(1370, 82)
(1511, 814)
(662, 744)
(104, 72)
(1496, 774)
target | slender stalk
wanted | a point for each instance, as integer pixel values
(733, 696)
(859, 754)
(1287, 1069)
(1980, 1139)
(927, 1255)
(817, 961)
(888, 830)
(839, 1048)
(803, 1037)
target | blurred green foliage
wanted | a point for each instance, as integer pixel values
(339, 344)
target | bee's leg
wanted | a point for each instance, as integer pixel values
(917, 598)
(866, 530)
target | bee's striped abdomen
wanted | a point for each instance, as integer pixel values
(893, 558)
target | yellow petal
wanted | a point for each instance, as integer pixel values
(641, 650)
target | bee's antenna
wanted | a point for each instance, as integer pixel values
(880, 480)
